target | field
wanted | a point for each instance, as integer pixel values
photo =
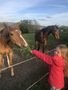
(29, 72)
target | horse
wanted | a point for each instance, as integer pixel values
(10, 35)
(41, 36)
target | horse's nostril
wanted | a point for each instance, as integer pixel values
(19, 44)
(26, 44)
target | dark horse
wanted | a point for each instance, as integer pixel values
(8, 36)
(41, 36)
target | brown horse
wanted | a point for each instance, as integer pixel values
(41, 36)
(8, 36)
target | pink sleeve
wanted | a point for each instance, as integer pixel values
(44, 57)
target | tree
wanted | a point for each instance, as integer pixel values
(27, 26)
(23, 26)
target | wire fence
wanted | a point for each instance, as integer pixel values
(14, 65)
(37, 81)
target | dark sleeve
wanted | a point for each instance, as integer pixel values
(44, 57)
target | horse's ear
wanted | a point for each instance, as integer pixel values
(6, 26)
(1, 30)
(5, 33)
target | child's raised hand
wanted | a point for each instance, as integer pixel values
(31, 51)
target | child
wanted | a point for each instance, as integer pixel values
(56, 63)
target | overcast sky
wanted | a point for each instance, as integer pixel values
(47, 12)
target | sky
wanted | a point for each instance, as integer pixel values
(46, 12)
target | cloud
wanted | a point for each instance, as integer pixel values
(46, 19)
(11, 8)
(59, 19)
(37, 16)
(62, 15)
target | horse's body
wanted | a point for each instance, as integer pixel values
(41, 36)
(9, 35)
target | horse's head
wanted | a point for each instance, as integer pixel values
(56, 32)
(16, 37)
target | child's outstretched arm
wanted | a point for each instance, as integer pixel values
(44, 57)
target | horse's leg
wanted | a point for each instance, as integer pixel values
(46, 43)
(43, 47)
(1, 63)
(38, 46)
(9, 60)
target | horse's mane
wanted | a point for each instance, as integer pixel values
(4, 34)
(49, 29)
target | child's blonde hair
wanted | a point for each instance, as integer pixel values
(64, 50)
(64, 53)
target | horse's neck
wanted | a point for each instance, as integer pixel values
(4, 45)
(2, 41)
(5, 37)
(46, 31)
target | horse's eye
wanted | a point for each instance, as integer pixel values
(11, 34)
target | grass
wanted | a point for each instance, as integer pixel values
(64, 37)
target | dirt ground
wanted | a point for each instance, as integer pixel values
(25, 75)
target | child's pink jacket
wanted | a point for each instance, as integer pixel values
(56, 69)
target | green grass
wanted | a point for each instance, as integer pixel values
(30, 39)
(64, 37)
